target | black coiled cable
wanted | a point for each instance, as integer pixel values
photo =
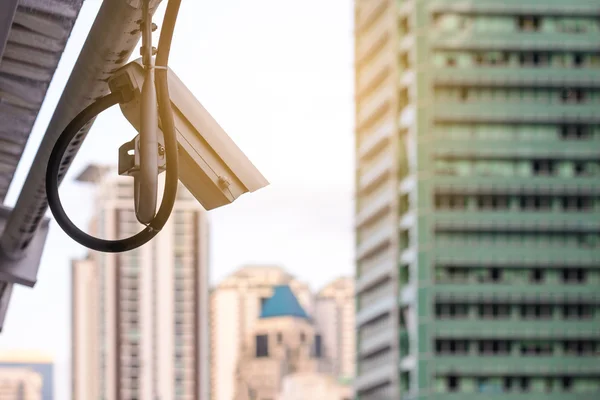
(172, 159)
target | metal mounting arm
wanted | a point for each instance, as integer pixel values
(146, 179)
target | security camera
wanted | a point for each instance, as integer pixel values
(211, 165)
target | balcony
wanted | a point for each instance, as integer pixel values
(481, 292)
(519, 41)
(370, 12)
(511, 7)
(382, 270)
(445, 147)
(515, 76)
(374, 310)
(374, 73)
(516, 185)
(376, 172)
(375, 205)
(506, 329)
(537, 365)
(514, 255)
(377, 342)
(368, 142)
(372, 41)
(516, 113)
(375, 377)
(375, 241)
(373, 107)
(515, 220)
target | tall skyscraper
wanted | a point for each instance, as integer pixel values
(235, 308)
(140, 318)
(29, 374)
(478, 199)
(334, 319)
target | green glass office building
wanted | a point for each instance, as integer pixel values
(478, 199)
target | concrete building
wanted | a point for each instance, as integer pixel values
(28, 372)
(477, 199)
(236, 304)
(140, 318)
(334, 319)
(313, 386)
(284, 344)
(20, 383)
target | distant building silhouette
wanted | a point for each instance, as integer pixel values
(236, 305)
(284, 351)
(25, 373)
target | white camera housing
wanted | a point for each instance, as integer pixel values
(211, 165)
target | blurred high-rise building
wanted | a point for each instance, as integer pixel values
(27, 375)
(477, 199)
(235, 306)
(334, 319)
(140, 318)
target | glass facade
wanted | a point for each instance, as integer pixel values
(478, 199)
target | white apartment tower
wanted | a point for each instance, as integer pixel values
(140, 318)
(235, 308)
(334, 319)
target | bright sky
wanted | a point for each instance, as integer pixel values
(277, 75)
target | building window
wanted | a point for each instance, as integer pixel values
(262, 300)
(575, 132)
(302, 337)
(495, 275)
(537, 275)
(494, 311)
(572, 95)
(453, 383)
(574, 275)
(279, 338)
(534, 59)
(525, 383)
(567, 383)
(262, 346)
(528, 23)
(451, 346)
(318, 346)
(543, 167)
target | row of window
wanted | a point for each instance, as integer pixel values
(515, 167)
(515, 59)
(522, 347)
(566, 275)
(263, 349)
(451, 22)
(517, 132)
(524, 311)
(505, 95)
(497, 385)
(572, 203)
(579, 240)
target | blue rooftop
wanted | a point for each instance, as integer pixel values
(283, 303)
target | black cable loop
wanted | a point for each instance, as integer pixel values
(172, 157)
